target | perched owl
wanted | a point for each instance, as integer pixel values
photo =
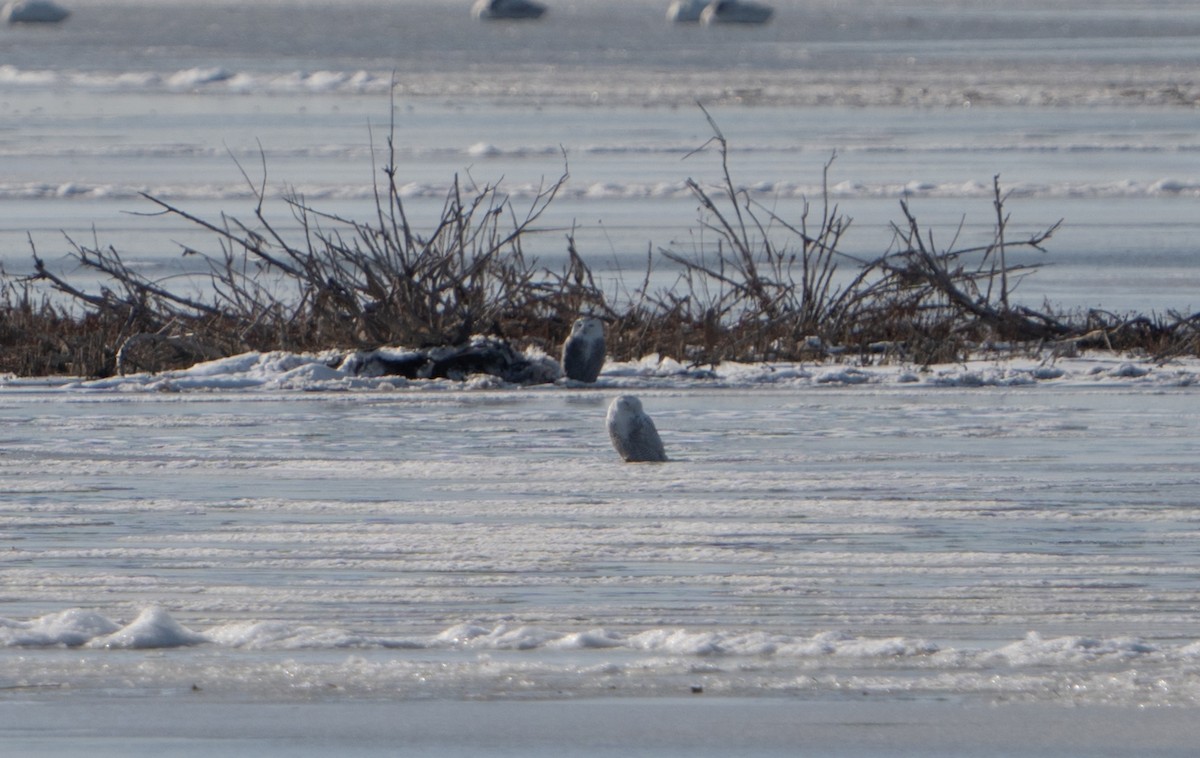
(632, 432)
(583, 352)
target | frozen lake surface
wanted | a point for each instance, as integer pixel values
(1008, 531)
(267, 556)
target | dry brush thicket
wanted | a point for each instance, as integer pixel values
(760, 287)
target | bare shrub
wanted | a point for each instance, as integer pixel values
(758, 297)
(758, 287)
(938, 303)
(342, 282)
(753, 297)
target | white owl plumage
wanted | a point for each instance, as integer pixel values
(583, 352)
(632, 432)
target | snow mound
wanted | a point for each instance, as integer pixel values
(477, 367)
(153, 628)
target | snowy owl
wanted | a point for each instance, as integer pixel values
(583, 352)
(632, 432)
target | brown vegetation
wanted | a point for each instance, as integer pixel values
(771, 289)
